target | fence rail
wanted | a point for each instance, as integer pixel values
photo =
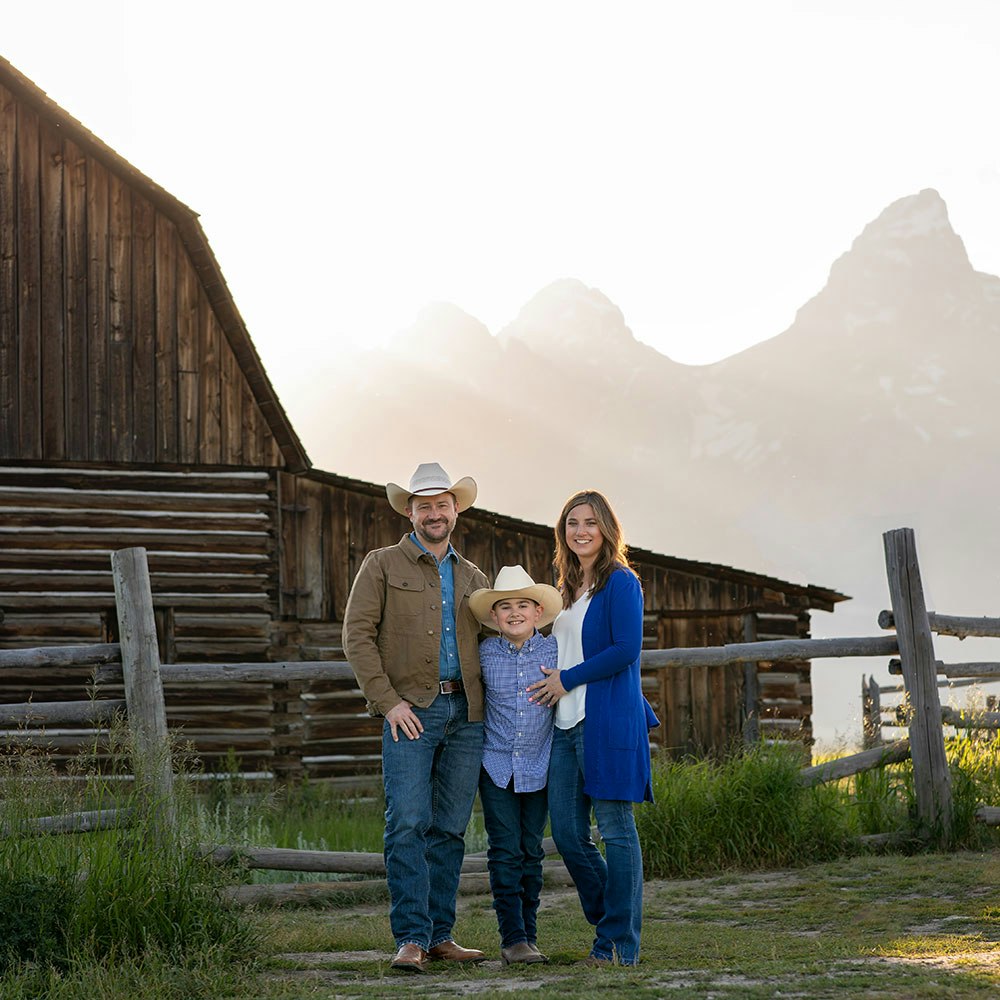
(134, 664)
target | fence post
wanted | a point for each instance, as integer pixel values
(871, 713)
(751, 687)
(147, 713)
(931, 779)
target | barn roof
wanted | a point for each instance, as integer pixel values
(196, 244)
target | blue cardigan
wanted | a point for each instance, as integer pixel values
(618, 717)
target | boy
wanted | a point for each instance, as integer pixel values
(517, 742)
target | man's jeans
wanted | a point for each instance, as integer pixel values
(515, 825)
(430, 785)
(610, 892)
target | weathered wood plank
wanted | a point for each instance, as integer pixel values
(50, 713)
(90, 600)
(982, 670)
(957, 625)
(332, 862)
(76, 263)
(231, 405)
(871, 723)
(89, 517)
(59, 498)
(963, 719)
(867, 760)
(143, 329)
(29, 266)
(166, 361)
(778, 650)
(143, 688)
(120, 332)
(932, 783)
(189, 427)
(198, 673)
(53, 314)
(990, 815)
(97, 310)
(78, 822)
(9, 416)
(209, 382)
(60, 656)
(173, 539)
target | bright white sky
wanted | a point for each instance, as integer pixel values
(703, 164)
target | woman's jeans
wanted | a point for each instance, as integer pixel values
(430, 785)
(515, 825)
(610, 891)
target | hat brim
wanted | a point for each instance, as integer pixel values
(464, 491)
(481, 602)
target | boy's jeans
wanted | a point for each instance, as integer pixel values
(430, 785)
(515, 824)
(610, 892)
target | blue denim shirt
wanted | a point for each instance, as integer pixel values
(517, 736)
(449, 668)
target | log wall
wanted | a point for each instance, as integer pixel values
(256, 565)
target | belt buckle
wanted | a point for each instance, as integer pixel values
(449, 687)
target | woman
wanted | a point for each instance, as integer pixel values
(600, 751)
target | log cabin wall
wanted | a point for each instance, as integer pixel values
(256, 564)
(329, 523)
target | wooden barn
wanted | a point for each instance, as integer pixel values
(134, 410)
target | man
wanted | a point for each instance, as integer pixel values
(413, 644)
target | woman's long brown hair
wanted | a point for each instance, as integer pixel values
(613, 554)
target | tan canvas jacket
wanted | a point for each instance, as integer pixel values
(392, 628)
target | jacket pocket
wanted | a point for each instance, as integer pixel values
(404, 603)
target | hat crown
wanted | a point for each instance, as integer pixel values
(513, 578)
(430, 478)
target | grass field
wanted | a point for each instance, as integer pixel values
(887, 927)
(788, 904)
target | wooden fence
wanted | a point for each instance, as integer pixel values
(135, 663)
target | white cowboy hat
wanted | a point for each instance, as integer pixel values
(513, 582)
(428, 481)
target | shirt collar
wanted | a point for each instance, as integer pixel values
(450, 554)
(525, 648)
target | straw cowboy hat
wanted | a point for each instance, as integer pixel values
(428, 481)
(513, 582)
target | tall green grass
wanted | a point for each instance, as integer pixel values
(102, 899)
(750, 811)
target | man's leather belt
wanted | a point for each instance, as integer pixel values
(450, 687)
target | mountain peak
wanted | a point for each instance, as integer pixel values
(916, 215)
(909, 252)
(914, 232)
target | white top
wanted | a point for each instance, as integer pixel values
(568, 629)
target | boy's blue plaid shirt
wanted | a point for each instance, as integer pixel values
(517, 735)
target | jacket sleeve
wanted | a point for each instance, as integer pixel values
(624, 600)
(362, 619)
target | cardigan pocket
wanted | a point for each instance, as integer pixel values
(623, 720)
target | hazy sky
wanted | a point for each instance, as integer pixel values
(701, 163)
